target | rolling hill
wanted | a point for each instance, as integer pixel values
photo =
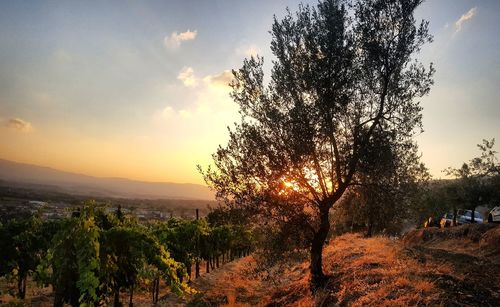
(78, 184)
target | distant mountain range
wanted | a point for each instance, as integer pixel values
(79, 184)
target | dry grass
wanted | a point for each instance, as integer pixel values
(231, 285)
(366, 271)
(375, 271)
(476, 240)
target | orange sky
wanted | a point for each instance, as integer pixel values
(140, 91)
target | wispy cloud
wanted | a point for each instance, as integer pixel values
(186, 75)
(465, 18)
(174, 40)
(18, 124)
(220, 80)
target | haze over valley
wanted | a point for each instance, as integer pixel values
(78, 184)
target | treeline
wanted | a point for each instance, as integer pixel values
(92, 256)
(384, 207)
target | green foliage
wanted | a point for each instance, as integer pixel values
(391, 182)
(434, 200)
(74, 260)
(23, 244)
(96, 253)
(345, 76)
(93, 255)
(181, 238)
(128, 250)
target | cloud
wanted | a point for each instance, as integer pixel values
(186, 75)
(175, 39)
(18, 124)
(465, 18)
(248, 50)
(209, 107)
(221, 80)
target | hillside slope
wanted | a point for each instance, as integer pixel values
(424, 268)
(79, 184)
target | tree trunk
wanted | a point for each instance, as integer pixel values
(472, 218)
(217, 261)
(116, 302)
(131, 299)
(21, 286)
(197, 269)
(318, 278)
(157, 289)
(208, 265)
(369, 230)
(153, 290)
(188, 269)
(58, 301)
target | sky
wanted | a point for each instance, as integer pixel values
(137, 89)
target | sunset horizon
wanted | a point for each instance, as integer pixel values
(250, 153)
(117, 95)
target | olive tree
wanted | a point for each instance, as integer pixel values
(343, 72)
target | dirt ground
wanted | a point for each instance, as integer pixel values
(457, 266)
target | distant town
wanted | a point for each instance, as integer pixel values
(17, 202)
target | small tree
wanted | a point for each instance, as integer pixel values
(341, 73)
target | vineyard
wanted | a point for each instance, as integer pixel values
(93, 256)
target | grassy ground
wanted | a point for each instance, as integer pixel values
(367, 271)
(451, 267)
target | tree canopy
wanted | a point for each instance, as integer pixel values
(344, 78)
